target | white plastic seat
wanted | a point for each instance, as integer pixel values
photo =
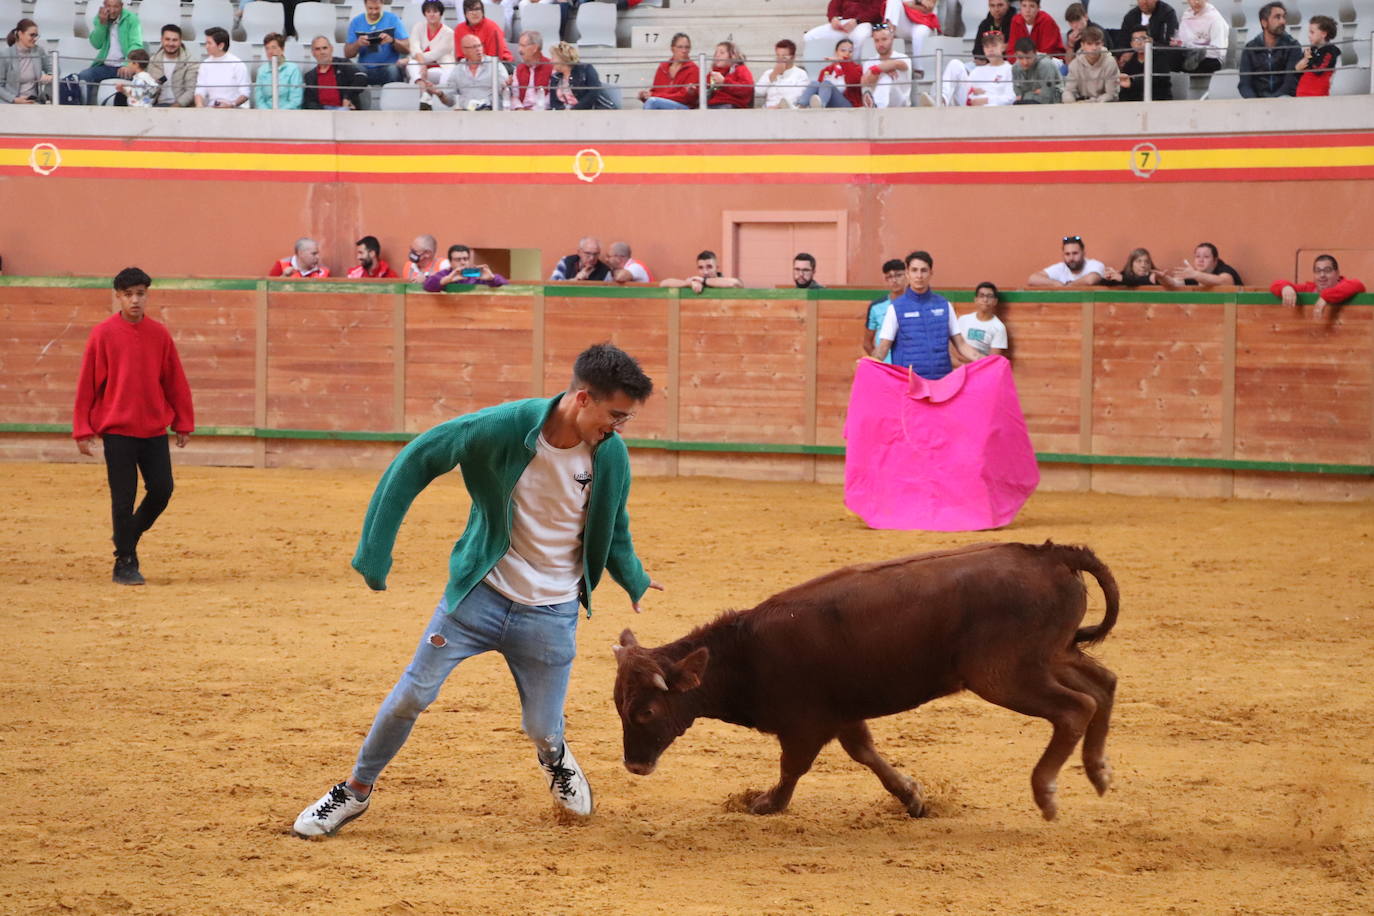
(298, 52)
(73, 55)
(400, 97)
(108, 89)
(154, 14)
(54, 18)
(207, 14)
(543, 18)
(1225, 85)
(1350, 81)
(312, 19)
(972, 12)
(596, 24)
(813, 55)
(260, 19)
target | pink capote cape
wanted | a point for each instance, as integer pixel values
(947, 455)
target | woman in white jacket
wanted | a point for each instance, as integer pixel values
(1202, 33)
(432, 44)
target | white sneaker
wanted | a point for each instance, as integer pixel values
(567, 784)
(326, 816)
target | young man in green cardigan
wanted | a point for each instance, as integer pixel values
(549, 480)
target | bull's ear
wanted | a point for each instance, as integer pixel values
(627, 638)
(687, 674)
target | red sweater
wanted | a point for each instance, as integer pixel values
(1343, 289)
(1045, 33)
(871, 11)
(492, 35)
(381, 271)
(682, 88)
(131, 382)
(852, 73)
(737, 90)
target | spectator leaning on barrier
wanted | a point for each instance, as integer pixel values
(804, 271)
(675, 81)
(894, 272)
(920, 329)
(1035, 78)
(1074, 270)
(1140, 270)
(782, 85)
(370, 264)
(458, 273)
(583, 264)
(624, 267)
(222, 80)
(173, 69)
(475, 22)
(1132, 67)
(1093, 75)
(1318, 61)
(469, 82)
(530, 83)
(729, 84)
(575, 85)
(421, 261)
(1203, 35)
(1206, 269)
(998, 19)
(1040, 27)
(708, 274)
(1268, 65)
(1331, 288)
(110, 17)
(290, 82)
(887, 76)
(432, 49)
(25, 71)
(303, 263)
(983, 330)
(378, 39)
(333, 84)
(852, 19)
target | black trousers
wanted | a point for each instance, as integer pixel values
(125, 458)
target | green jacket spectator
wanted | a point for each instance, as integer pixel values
(128, 29)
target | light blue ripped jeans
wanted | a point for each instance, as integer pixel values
(539, 644)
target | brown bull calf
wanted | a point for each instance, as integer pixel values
(814, 662)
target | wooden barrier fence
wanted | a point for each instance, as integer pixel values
(1189, 393)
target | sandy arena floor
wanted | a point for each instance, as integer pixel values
(156, 743)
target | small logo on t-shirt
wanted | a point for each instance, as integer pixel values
(583, 478)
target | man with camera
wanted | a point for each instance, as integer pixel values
(459, 271)
(378, 40)
(173, 69)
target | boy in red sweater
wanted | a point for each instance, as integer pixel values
(1327, 282)
(131, 388)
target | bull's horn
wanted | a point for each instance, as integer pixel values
(660, 683)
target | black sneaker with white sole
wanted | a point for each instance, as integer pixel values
(567, 783)
(326, 816)
(126, 572)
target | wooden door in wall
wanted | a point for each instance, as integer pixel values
(760, 247)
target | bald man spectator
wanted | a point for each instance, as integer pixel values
(303, 264)
(422, 259)
(583, 264)
(468, 87)
(333, 84)
(624, 267)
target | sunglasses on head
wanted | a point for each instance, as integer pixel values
(1073, 238)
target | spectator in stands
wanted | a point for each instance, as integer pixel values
(675, 81)
(573, 84)
(1035, 78)
(838, 83)
(110, 16)
(25, 71)
(141, 91)
(173, 69)
(1139, 270)
(708, 274)
(1132, 70)
(886, 81)
(1203, 34)
(1160, 20)
(469, 83)
(1074, 270)
(529, 86)
(852, 19)
(222, 79)
(431, 50)
(998, 19)
(1076, 18)
(1331, 288)
(1039, 27)
(1093, 75)
(981, 328)
(458, 273)
(913, 21)
(378, 39)
(421, 262)
(333, 84)
(782, 85)
(1206, 269)
(1269, 63)
(583, 264)
(920, 329)
(894, 272)
(492, 36)
(370, 264)
(804, 272)
(729, 84)
(989, 83)
(290, 82)
(1318, 61)
(303, 263)
(624, 267)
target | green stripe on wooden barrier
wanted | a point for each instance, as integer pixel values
(762, 448)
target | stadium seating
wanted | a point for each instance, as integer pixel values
(259, 19)
(1350, 81)
(1225, 85)
(74, 55)
(154, 14)
(108, 89)
(207, 14)
(55, 18)
(10, 13)
(400, 97)
(313, 19)
(596, 24)
(542, 18)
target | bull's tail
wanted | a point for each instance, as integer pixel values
(1081, 559)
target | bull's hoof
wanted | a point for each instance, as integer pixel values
(760, 803)
(916, 803)
(1046, 799)
(1100, 776)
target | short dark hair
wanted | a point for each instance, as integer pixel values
(130, 277)
(1075, 12)
(219, 36)
(370, 243)
(1326, 257)
(708, 253)
(432, 5)
(1210, 247)
(803, 256)
(1326, 24)
(1092, 35)
(920, 256)
(474, 5)
(1025, 44)
(171, 27)
(787, 43)
(458, 249)
(988, 284)
(1269, 8)
(844, 41)
(139, 56)
(892, 264)
(603, 369)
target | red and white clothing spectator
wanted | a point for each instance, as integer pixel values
(530, 88)
(380, 270)
(736, 90)
(291, 267)
(785, 91)
(1342, 290)
(1044, 32)
(852, 19)
(845, 75)
(493, 38)
(638, 272)
(893, 89)
(914, 21)
(683, 88)
(432, 54)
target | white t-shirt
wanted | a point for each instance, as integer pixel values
(995, 81)
(893, 89)
(983, 336)
(222, 79)
(889, 328)
(1060, 272)
(165, 95)
(638, 272)
(544, 562)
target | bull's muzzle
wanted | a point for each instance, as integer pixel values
(640, 769)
